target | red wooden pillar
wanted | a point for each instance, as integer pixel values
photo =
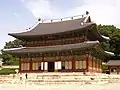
(20, 64)
(87, 63)
(117, 69)
(92, 63)
(73, 64)
(43, 65)
(31, 64)
(99, 65)
(95, 65)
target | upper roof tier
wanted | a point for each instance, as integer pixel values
(56, 26)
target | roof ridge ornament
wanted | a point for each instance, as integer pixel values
(64, 18)
(87, 12)
(39, 19)
(87, 17)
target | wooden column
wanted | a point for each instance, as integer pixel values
(19, 64)
(31, 64)
(87, 63)
(73, 64)
(99, 65)
(43, 64)
(95, 65)
(92, 63)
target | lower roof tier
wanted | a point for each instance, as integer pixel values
(113, 63)
(79, 47)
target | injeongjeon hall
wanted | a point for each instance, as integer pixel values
(69, 44)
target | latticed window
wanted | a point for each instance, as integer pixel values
(80, 62)
(67, 65)
(25, 66)
(36, 66)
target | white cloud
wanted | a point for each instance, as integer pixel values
(102, 11)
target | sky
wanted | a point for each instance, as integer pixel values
(18, 15)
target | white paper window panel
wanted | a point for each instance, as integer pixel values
(84, 64)
(66, 65)
(80, 64)
(27, 66)
(70, 64)
(21, 66)
(33, 66)
(24, 65)
(76, 64)
(46, 65)
(41, 65)
(56, 65)
(59, 65)
(37, 66)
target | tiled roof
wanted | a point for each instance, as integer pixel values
(54, 48)
(113, 63)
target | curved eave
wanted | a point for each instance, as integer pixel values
(110, 53)
(78, 46)
(107, 38)
(103, 53)
(113, 63)
(25, 36)
(102, 38)
(97, 34)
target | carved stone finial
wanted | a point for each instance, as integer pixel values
(39, 19)
(87, 12)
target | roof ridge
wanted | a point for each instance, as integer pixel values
(64, 18)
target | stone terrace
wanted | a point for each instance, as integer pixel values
(59, 78)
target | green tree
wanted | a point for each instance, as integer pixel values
(114, 33)
(13, 44)
(7, 58)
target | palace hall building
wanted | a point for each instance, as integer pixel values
(69, 44)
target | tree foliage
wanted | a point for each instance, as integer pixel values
(13, 44)
(114, 33)
(7, 58)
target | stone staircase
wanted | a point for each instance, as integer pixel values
(61, 78)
